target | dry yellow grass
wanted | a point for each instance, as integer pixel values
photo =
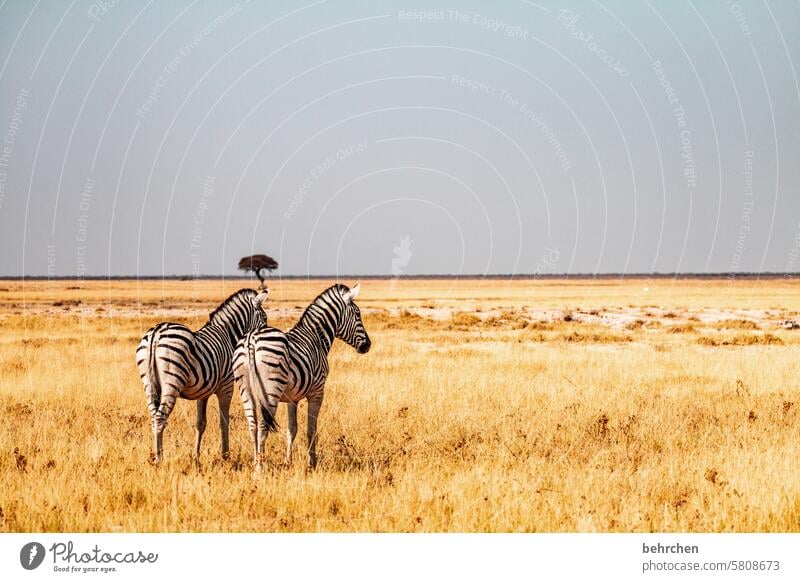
(481, 407)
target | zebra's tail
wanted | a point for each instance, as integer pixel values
(261, 398)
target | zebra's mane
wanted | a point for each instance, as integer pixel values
(338, 287)
(238, 296)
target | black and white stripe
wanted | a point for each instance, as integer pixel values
(174, 362)
(271, 366)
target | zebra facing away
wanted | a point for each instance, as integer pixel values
(174, 362)
(271, 366)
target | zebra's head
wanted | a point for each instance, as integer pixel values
(350, 328)
(259, 316)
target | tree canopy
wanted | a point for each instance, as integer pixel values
(259, 265)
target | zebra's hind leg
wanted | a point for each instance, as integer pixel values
(157, 437)
(200, 427)
(314, 406)
(291, 431)
(250, 415)
(256, 456)
(168, 398)
(153, 405)
(224, 396)
(263, 431)
(266, 424)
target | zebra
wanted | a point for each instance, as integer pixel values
(174, 361)
(271, 366)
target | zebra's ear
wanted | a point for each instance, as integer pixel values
(260, 298)
(350, 296)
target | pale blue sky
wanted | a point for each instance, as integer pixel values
(515, 137)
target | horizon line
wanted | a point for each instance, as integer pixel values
(524, 276)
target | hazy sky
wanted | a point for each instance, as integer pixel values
(376, 137)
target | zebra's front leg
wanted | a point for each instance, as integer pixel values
(200, 427)
(224, 396)
(311, 430)
(291, 431)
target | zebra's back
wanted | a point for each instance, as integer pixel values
(197, 364)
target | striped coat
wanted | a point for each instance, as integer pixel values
(271, 366)
(175, 362)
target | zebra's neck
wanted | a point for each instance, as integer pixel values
(317, 326)
(227, 320)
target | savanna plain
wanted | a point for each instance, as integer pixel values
(484, 405)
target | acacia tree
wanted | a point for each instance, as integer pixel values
(259, 265)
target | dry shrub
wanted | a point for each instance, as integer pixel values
(14, 366)
(597, 337)
(737, 324)
(741, 339)
(534, 336)
(409, 320)
(598, 428)
(542, 325)
(371, 318)
(462, 320)
(682, 329)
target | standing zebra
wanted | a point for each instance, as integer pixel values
(173, 361)
(271, 366)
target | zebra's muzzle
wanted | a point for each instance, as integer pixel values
(364, 347)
